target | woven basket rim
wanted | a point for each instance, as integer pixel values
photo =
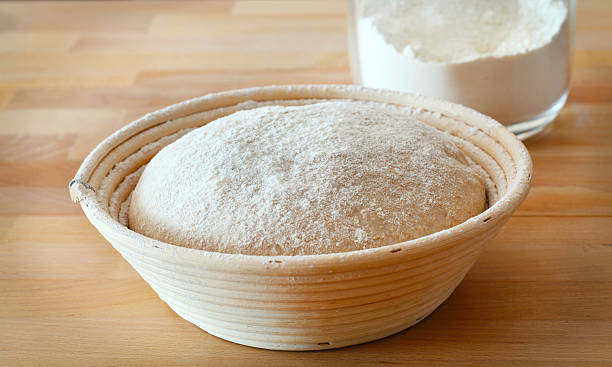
(517, 190)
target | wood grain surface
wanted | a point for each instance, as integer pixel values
(73, 72)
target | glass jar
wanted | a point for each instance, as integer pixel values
(508, 59)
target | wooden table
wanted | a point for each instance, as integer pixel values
(72, 73)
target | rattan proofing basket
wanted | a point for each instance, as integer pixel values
(301, 302)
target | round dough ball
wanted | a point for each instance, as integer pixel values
(321, 178)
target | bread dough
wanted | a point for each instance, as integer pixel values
(323, 178)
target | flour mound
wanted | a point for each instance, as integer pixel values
(459, 31)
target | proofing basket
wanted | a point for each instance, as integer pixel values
(301, 302)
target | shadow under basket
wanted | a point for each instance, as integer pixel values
(302, 302)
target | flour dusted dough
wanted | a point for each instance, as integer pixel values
(316, 179)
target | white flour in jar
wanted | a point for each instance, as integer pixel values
(506, 59)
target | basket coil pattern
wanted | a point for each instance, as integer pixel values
(301, 302)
